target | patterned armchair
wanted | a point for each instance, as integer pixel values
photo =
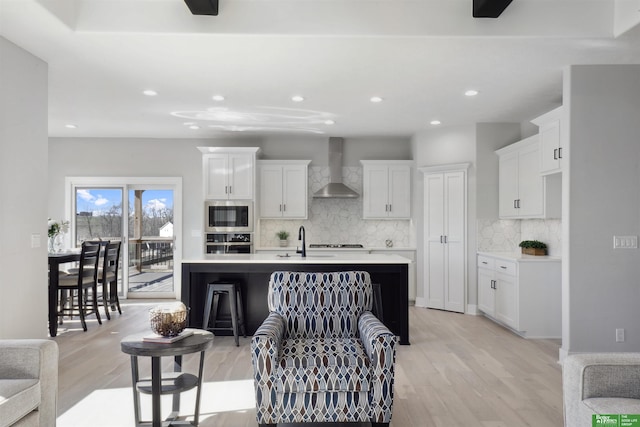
(320, 355)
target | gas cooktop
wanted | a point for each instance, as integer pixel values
(335, 245)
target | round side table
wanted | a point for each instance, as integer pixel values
(173, 383)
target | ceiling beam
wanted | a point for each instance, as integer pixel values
(203, 7)
(489, 8)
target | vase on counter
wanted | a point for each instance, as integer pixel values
(55, 244)
(284, 243)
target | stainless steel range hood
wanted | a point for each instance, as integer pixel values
(335, 188)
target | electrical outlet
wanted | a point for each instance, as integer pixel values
(619, 335)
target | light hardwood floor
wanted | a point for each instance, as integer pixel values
(460, 370)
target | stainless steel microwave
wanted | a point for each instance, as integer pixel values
(228, 216)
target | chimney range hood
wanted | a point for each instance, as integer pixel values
(335, 188)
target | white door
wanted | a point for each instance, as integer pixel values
(240, 176)
(376, 192)
(454, 241)
(506, 300)
(399, 192)
(434, 223)
(216, 185)
(270, 191)
(508, 185)
(294, 191)
(486, 293)
(445, 271)
(530, 183)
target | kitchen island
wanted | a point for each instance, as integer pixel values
(252, 272)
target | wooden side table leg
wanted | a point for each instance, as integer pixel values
(177, 367)
(196, 415)
(156, 382)
(134, 381)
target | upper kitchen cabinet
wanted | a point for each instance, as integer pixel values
(522, 191)
(283, 188)
(386, 191)
(228, 173)
(551, 146)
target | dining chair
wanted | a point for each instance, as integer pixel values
(108, 277)
(82, 285)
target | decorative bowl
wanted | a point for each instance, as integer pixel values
(168, 320)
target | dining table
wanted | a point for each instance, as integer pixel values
(55, 259)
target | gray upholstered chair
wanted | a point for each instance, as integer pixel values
(28, 383)
(321, 355)
(600, 383)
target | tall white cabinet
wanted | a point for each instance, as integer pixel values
(445, 236)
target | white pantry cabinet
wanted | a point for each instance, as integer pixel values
(229, 174)
(522, 191)
(386, 190)
(552, 152)
(445, 219)
(283, 188)
(521, 292)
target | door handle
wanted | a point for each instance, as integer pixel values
(555, 154)
(389, 207)
(515, 204)
(560, 153)
(445, 239)
(226, 189)
(284, 208)
(441, 239)
(230, 190)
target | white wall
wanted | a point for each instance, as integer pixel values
(602, 284)
(169, 157)
(23, 173)
(439, 147)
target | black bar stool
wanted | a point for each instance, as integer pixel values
(377, 301)
(234, 293)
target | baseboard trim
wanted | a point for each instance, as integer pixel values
(421, 302)
(472, 310)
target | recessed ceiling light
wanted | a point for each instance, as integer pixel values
(297, 98)
(71, 126)
(435, 122)
(150, 92)
(471, 92)
(375, 99)
(194, 127)
(329, 122)
(217, 98)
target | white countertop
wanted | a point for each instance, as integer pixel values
(517, 256)
(267, 258)
(365, 249)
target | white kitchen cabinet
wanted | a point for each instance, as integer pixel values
(283, 188)
(229, 174)
(522, 293)
(522, 191)
(552, 151)
(386, 192)
(445, 218)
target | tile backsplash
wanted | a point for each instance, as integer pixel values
(505, 235)
(338, 220)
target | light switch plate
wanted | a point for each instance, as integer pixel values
(625, 242)
(35, 240)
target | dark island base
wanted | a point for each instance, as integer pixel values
(254, 280)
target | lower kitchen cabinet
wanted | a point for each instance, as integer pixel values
(522, 293)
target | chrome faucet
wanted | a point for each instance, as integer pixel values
(301, 236)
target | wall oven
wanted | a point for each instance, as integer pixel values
(229, 243)
(228, 216)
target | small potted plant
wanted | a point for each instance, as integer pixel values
(283, 236)
(533, 247)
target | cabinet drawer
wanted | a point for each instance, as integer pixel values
(506, 267)
(486, 262)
